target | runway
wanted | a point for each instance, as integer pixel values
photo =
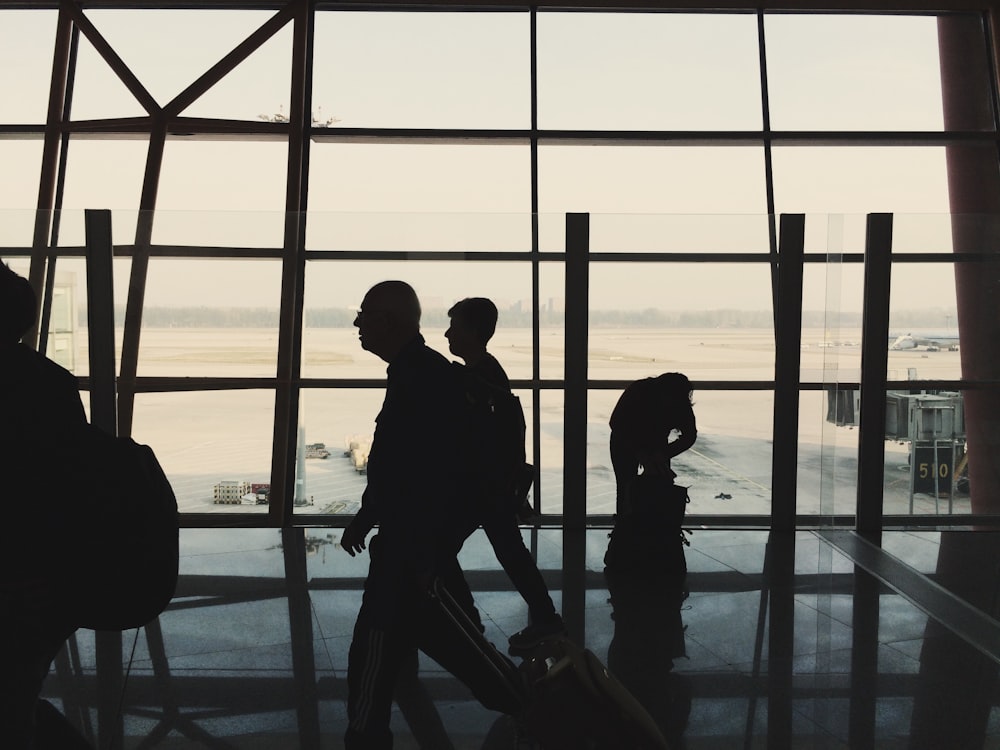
(205, 437)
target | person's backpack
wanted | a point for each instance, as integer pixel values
(118, 525)
(495, 435)
(650, 540)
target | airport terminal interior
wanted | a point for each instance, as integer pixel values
(796, 204)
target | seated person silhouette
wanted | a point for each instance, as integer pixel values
(41, 407)
(473, 323)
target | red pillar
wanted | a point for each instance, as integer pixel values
(951, 707)
(974, 193)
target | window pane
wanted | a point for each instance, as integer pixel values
(224, 229)
(860, 180)
(343, 420)
(664, 233)
(207, 440)
(210, 318)
(889, 80)
(648, 71)
(427, 178)
(27, 40)
(733, 453)
(120, 165)
(923, 322)
(831, 322)
(17, 227)
(423, 70)
(434, 232)
(548, 493)
(247, 177)
(650, 180)
(22, 160)
(828, 453)
(711, 321)
(552, 320)
(727, 471)
(334, 290)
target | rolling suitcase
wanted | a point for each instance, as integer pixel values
(448, 635)
(575, 703)
(561, 696)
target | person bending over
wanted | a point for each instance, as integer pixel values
(648, 412)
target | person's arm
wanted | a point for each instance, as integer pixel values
(353, 538)
(688, 435)
(657, 460)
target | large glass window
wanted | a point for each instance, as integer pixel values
(121, 164)
(433, 136)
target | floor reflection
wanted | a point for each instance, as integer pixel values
(781, 641)
(648, 636)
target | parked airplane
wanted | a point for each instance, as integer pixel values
(932, 342)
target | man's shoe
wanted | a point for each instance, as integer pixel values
(527, 639)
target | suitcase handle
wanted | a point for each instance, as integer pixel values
(505, 670)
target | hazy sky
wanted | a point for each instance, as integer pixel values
(595, 71)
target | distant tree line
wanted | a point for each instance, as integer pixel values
(342, 317)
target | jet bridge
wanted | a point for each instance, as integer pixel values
(932, 422)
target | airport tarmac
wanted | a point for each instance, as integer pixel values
(203, 437)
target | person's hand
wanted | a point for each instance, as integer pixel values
(353, 539)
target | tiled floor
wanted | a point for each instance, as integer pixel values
(783, 642)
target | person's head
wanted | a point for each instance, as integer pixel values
(675, 387)
(473, 323)
(388, 319)
(17, 306)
